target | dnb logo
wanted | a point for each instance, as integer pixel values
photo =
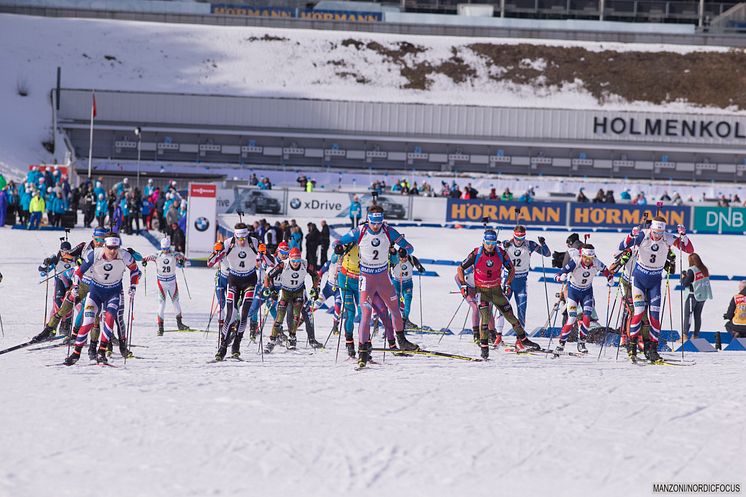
(108, 267)
(295, 203)
(201, 224)
(375, 242)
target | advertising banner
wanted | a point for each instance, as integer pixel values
(251, 200)
(201, 220)
(623, 216)
(429, 209)
(318, 204)
(539, 213)
(720, 219)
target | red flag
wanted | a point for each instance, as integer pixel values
(93, 109)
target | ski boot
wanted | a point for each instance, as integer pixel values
(498, 340)
(180, 324)
(350, 348)
(46, 333)
(485, 347)
(405, 344)
(475, 334)
(314, 344)
(102, 351)
(110, 348)
(493, 336)
(524, 344)
(92, 348)
(73, 358)
(222, 350)
(66, 327)
(364, 356)
(126, 353)
(160, 327)
(253, 327)
(271, 343)
(632, 348)
(559, 348)
(292, 342)
(335, 328)
(236, 347)
(582, 348)
(651, 352)
(409, 325)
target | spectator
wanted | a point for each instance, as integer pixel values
(526, 197)
(310, 185)
(736, 314)
(507, 195)
(696, 281)
(677, 200)
(3, 205)
(325, 242)
(273, 237)
(172, 215)
(89, 208)
(313, 242)
(640, 199)
(356, 211)
(414, 190)
(59, 207)
(626, 194)
(37, 207)
(600, 197)
(134, 205)
(296, 238)
(581, 196)
(253, 180)
(25, 205)
(178, 240)
(117, 216)
(149, 188)
(493, 194)
(609, 198)
(665, 197)
(102, 208)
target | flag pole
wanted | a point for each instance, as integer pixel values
(90, 139)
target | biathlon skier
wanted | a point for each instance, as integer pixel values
(581, 269)
(167, 261)
(240, 253)
(472, 298)
(488, 261)
(376, 243)
(519, 250)
(402, 276)
(653, 245)
(105, 268)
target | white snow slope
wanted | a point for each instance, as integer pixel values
(119, 55)
(170, 424)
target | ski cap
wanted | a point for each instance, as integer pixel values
(241, 233)
(262, 248)
(375, 217)
(65, 246)
(659, 226)
(490, 237)
(283, 247)
(99, 232)
(165, 244)
(295, 256)
(587, 252)
(519, 233)
(112, 241)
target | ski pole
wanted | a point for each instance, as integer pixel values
(261, 330)
(46, 303)
(183, 273)
(340, 322)
(130, 318)
(670, 309)
(443, 333)
(546, 290)
(551, 333)
(212, 314)
(419, 282)
(608, 319)
(145, 278)
(2, 328)
(681, 294)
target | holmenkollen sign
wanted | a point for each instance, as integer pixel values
(674, 128)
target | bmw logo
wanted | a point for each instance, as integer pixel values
(654, 247)
(517, 253)
(67, 266)
(586, 274)
(490, 263)
(375, 242)
(108, 267)
(242, 255)
(201, 224)
(295, 203)
(294, 275)
(166, 262)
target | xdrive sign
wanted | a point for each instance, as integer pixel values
(674, 128)
(317, 203)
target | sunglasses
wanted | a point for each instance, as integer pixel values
(487, 242)
(295, 261)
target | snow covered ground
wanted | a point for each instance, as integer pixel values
(299, 424)
(119, 55)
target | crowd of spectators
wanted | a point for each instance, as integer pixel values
(317, 238)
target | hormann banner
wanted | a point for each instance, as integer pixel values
(539, 213)
(673, 128)
(312, 14)
(623, 216)
(720, 220)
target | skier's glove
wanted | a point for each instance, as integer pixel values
(420, 268)
(392, 250)
(265, 293)
(542, 240)
(218, 247)
(144, 263)
(339, 249)
(464, 290)
(42, 271)
(558, 278)
(133, 290)
(507, 291)
(313, 293)
(273, 295)
(403, 253)
(635, 231)
(47, 262)
(681, 229)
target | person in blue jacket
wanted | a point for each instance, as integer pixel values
(356, 211)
